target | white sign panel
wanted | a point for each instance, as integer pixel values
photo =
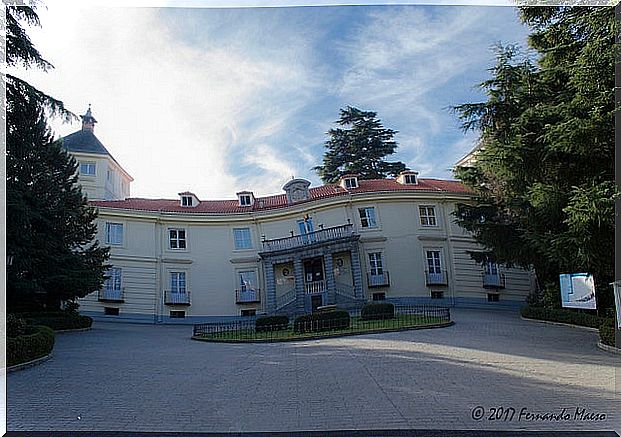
(617, 288)
(578, 291)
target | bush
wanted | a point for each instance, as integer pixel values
(562, 316)
(607, 331)
(378, 311)
(323, 321)
(59, 321)
(28, 347)
(271, 323)
(15, 326)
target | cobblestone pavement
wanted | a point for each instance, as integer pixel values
(154, 378)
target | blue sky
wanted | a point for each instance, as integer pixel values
(219, 100)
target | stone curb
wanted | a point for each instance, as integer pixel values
(611, 349)
(73, 330)
(549, 322)
(28, 364)
(321, 337)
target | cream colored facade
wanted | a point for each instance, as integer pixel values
(187, 261)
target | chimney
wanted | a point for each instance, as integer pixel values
(88, 121)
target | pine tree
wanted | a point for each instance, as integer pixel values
(50, 227)
(544, 173)
(359, 148)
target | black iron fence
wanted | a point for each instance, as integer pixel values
(319, 325)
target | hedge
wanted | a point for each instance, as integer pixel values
(322, 321)
(271, 323)
(29, 347)
(59, 321)
(562, 316)
(607, 332)
(377, 311)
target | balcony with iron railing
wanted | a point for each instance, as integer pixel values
(320, 236)
(177, 298)
(436, 278)
(248, 295)
(493, 280)
(378, 280)
(106, 295)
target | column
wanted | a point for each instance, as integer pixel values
(300, 296)
(270, 285)
(356, 269)
(330, 284)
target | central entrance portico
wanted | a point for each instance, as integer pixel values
(316, 278)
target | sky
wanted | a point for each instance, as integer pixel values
(216, 101)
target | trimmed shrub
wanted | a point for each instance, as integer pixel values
(322, 321)
(59, 321)
(562, 316)
(377, 311)
(15, 326)
(271, 323)
(607, 332)
(28, 347)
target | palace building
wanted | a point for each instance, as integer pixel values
(189, 259)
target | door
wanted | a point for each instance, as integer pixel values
(306, 230)
(434, 267)
(316, 302)
(248, 286)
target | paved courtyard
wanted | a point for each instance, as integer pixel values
(154, 378)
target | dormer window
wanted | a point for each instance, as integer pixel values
(246, 198)
(188, 200)
(349, 182)
(408, 177)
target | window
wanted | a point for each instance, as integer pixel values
(177, 282)
(87, 168)
(110, 175)
(437, 294)
(248, 313)
(306, 229)
(113, 282)
(245, 200)
(114, 234)
(176, 239)
(177, 314)
(409, 179)
(242, 238)
(379, 296)
(367, 217)
(187, 201)
(493, 297)
(491, 268)
(375, 261)
(433, 262)
(111, 311)
(351, 183)
(248, 280)
(428, 216)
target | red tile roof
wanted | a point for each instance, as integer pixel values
(280, 200)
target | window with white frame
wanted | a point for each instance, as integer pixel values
(245, 200)
(88, 168)
(176, 239)
(110, 175)
(428, 215)
(367, 217)
(242, 238)
(114, 234)
(491, 268)
(187, 201)
(376, 263)
(434, 265)
(351, 183)
(177, 282)
(113, 282)
(409, 179)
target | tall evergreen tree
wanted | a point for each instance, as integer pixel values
(359, 147)
(50, 227)
(544, 173)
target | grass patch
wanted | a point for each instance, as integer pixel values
(357, 326)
